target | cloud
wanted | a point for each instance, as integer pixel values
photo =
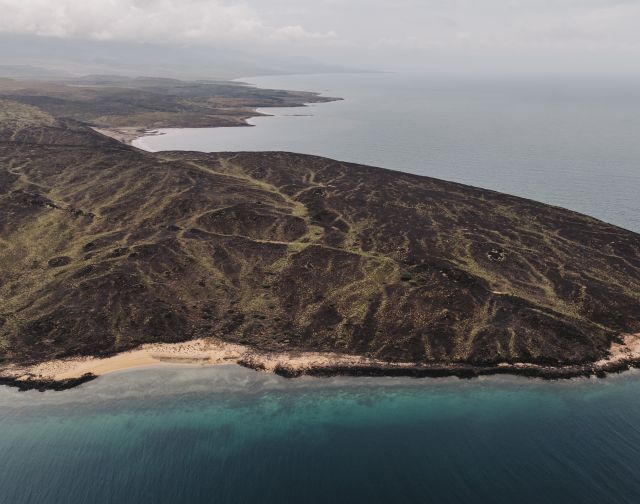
(373, 33)
(493, 27)
(181, 21)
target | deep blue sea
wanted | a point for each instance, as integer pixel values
(231, 435)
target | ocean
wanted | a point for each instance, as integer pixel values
(230, 435)
(573, 142)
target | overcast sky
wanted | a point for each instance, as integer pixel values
(453, 35)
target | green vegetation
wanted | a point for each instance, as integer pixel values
(104, 247)
(117, 102)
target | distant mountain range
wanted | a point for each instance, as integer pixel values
(48, 57)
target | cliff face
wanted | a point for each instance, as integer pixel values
(104, 247)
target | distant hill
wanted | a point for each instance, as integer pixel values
(31, 72)
(108, 101)
(49, 56)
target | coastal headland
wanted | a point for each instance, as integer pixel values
(111, 257)
(128, 108)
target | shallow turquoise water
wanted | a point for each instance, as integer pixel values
(228, 434)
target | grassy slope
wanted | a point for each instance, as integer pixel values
(103, 247)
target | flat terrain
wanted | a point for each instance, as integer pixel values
(147, 103)
(104, 248)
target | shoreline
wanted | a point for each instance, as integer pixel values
(63, 374)
(128, 134)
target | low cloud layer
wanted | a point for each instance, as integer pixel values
(435, 34)
(183, 21)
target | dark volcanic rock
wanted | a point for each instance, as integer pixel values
(56, 262)
(42, 385)
(291, 252)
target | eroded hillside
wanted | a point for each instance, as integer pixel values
(104, 247)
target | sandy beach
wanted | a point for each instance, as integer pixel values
(211, 352)
(127, 135)
(196, 352)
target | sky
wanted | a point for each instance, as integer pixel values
(438, 35)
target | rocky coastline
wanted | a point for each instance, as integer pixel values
(59, 375)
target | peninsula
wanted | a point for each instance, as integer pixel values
(284, 262)
(127, 108)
